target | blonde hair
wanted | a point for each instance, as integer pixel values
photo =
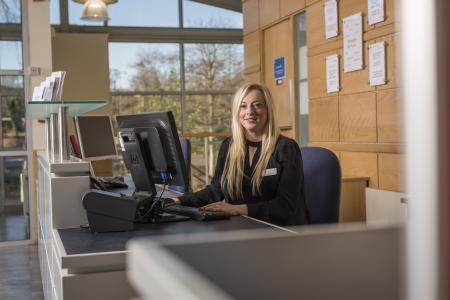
(233, 172)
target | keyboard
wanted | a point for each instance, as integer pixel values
(112, 182)
(195, 213)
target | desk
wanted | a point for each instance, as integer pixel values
(328, 262)
(77, 264)
(93, 266)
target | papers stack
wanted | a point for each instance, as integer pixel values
(51, 88)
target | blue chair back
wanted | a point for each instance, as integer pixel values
(186, 149)
(322, 180)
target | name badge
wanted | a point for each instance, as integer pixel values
(270, 172)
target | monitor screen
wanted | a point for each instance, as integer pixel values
(95, 136)
(151, 146)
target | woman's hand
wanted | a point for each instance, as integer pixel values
(240, 209)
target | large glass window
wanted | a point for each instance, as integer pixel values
(10, 11)
(144, 13)
(12, 113)
(10, 55)
(146, 67)
(213, 66)
(198, 15)
(54, 12)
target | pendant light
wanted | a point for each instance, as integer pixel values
(95, 10)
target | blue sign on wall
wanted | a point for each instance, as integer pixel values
(278, 68)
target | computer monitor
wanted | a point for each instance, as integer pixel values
(151, 150)
(96, 138)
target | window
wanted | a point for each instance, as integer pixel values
(144, 13)
(10, 11)
(302, 71)
(14, 214)
(54, 12)
(10, 55)
(198, 15)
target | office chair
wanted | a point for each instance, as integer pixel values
(186, 149)
(322, 179)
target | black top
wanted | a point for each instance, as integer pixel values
(282, 198)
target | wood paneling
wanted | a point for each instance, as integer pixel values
(360, 164)
(361, 147)
(317, 85)
(391, 172)
(250, 10)
(353, 195)
(309, 2)
(351, 7)
(278, 41)
(356, 81)
(252, 56)
(357, 118)
(315, 25)
(288, 7)
(324, 119)
(389, 6)
(253, 77)
(269, 11)
(389, 116)
(391, 65)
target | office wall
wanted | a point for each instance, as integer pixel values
(363, 125)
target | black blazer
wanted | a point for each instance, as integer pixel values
(282, 197)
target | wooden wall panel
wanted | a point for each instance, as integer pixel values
(250, 10)
(360, 164)
(391, 172)
(253, 77)
(309, 2)
(356, 81)
(389, 116)
(315, 25)
(351, 7)
(324, 120)
(391, 65)
(317, 85)
(269, 11)
(288, 7)
(252, 58)
(357, 118)
(278, 41)
(389, 8)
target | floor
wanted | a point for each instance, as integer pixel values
(20, 276)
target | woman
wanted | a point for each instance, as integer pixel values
(259, 172)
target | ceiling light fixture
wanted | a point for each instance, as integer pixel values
(94, 10)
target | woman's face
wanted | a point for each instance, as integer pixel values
(253, 112)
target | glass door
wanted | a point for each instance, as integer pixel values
(14, 212)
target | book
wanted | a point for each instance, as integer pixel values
(75, 147)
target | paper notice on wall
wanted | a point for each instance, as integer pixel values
(353, 43)
(377, 64)
(331, 18)
(332, 65)
(375, 11)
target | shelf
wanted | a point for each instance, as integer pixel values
(43, 109)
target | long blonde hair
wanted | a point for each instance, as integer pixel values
(233, 173)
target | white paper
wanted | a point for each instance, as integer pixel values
(59, 82)
(38, 92)
(353, 43)
(377, 64)
(332, 65)
(331, 18)
(48, 85)
(375, 11)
